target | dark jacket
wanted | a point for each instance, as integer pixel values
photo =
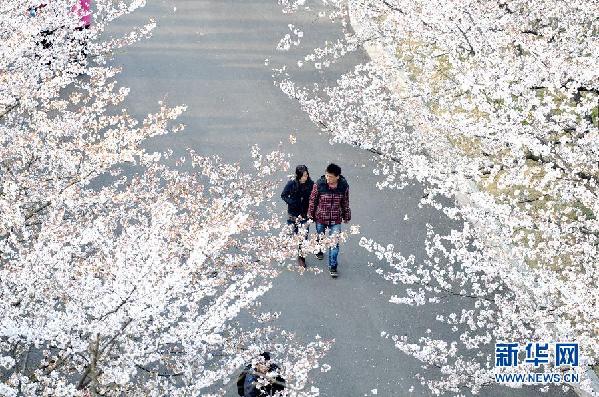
(330, 206)
(297, 196)
(247, 383)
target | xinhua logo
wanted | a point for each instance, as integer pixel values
(562, 356)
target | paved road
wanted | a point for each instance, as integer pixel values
(210, 55)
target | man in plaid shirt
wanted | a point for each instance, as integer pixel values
(329, 206)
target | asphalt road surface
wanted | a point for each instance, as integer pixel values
(210, 55)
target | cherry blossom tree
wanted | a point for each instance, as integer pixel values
(122, 271)
(494, 104)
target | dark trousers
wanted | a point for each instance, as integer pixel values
(297, 225)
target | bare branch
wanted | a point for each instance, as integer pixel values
(10, 108)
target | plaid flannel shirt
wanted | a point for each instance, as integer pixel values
(330, 206)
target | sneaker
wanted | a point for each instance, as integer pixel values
(320, 256)
(301, 261)
(334, 273)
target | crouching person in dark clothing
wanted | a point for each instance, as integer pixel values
(297, 196)
(260, 379)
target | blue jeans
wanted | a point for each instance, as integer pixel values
(333, 251)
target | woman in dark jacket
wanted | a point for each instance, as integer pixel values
(297, 196)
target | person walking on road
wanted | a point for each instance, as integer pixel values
(297, 195)
(329, 207)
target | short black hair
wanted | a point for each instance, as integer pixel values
(299, 171)
(334, 169)
(266, 355)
